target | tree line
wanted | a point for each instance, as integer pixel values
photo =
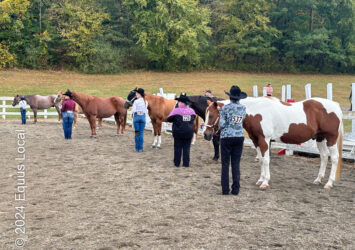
(110, 36)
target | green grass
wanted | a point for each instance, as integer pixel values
(14, 82)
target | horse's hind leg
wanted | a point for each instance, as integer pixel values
(334, 157)
(118, 123)
(262, 170)
(123, 119)
(323, 153)
(92, 121)
(264, 162)
(159, 126)
(35, 115)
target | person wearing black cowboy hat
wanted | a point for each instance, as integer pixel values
(182, 118)
(68, 107)
(232, 138)
(139, 112)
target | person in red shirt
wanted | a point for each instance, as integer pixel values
(68, 107)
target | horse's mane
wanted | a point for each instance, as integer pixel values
(81, 97)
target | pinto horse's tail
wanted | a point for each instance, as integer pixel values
(340, 149)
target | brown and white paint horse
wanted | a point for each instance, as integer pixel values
(159, 109)
(39, 102)
(78, 110)
(269, 119)
(95, 107)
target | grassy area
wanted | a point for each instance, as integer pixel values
(14, 82)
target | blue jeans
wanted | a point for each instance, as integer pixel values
(23, 116)
(139, 125)
(68, 119)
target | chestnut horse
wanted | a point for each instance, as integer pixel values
(78, 110)
(96, 107)
(39, 102)
(269, 119)
(159, 109)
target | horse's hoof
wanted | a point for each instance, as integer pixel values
(158, 147)
(316, 182)
(264, 186)
(153, 146)
(92, 137)
(256, 159)
(258, 183)
(327, 186)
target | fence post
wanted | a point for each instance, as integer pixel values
(264, 91)
(283, 93)
(288, 91)
(255, 91)
(353, 105)
(308, 89)
(45, 114)
(3, 109)
(330, 91)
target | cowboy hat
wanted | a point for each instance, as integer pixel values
(183, 98)
(140, 91)
(236, 93)
(68, 93)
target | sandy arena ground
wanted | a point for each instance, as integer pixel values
(100, 194)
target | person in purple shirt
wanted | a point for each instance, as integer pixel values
(182, 118)
(68, 107)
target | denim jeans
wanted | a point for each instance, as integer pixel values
(139, 125)
(68, 119)
(23, 116)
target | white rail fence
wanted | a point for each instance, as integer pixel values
(309, 146)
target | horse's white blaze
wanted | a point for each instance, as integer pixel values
(207, 116)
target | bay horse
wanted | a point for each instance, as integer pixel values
(269, 119)
(199, 104)
(159, 109)
(96, 107)
(37, 102)
(78, 110)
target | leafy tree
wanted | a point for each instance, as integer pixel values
(12, 16)
(243, 33)
(78, 24)
(171, 34)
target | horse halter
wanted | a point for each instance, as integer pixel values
(130, 102)
(214, 126)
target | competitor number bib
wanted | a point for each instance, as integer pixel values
(186, 118)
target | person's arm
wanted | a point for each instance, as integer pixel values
(64, 106)
(222, 120)
(134, 107)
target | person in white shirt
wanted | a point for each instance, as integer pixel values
(23, 105)
(139, 112)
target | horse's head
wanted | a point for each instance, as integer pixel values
(212, 119)
(130, 98)
(16, 100)
(59, 98)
